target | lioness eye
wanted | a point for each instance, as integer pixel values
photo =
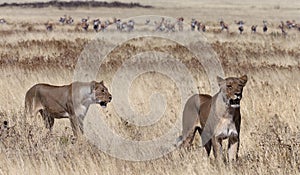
(102, 90)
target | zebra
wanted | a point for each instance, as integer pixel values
(202, 27)
(147, 21)
(69, 20)
(282, 28)
(62, 20)
(224, 25)
(66, 20)
(104, 25)
(96, 23)
(130, 25)
(85, 19)
(291, 24)
(125, 26)
(169, 25)
(49, 26)
(194, 23)
(180, 23)
(253, 28)
(84, 23)
(265, 27)
(159, 26)
(199, 25)
(241, 25)
(119, 24)
(2, 21)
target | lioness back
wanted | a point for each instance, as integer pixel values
(40, 96)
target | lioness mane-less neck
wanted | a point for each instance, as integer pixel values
(220, 106)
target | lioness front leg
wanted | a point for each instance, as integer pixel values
(217, 147)
(75, 126)
(233, 145)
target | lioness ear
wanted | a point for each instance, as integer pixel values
(220, 80)
(244, 79)
(101, 82)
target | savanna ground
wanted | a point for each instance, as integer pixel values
(270, 138)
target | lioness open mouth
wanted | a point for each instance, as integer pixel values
(234, 103)
(103, 104)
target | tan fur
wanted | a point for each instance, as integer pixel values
(215, 118)
(70, 101)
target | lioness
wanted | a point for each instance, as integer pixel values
(215, 118)
(70, 101)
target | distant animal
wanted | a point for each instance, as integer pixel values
(199, 25)
(147, 21)
(130, 25)
(125, 26)
(180, 23)
(224, 25)
(282, 28)
(69, 20)
(49, 26)
(105, 24)
(241, 29)
(69, 101)
(291, 24)
(2, 21)
(63, 19)
(253, 28)
(84, 23)
(119, 24)
(265, 27)
(194, 24)
(96, 23)
(203, 27)
(215, 118)
(159, 26)
(241, 25)
(169, 26)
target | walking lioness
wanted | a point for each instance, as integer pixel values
(70, 101)
(215, 118)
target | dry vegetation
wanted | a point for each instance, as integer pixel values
(270, 141)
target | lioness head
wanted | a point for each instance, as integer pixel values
(102, 96)
(232, 89)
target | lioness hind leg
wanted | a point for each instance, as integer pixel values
(48, 119)
(188, 139)
(207, 147)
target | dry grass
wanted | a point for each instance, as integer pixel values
(270, 138)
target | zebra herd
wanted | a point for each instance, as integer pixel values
(167, 25)
(164, 24)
